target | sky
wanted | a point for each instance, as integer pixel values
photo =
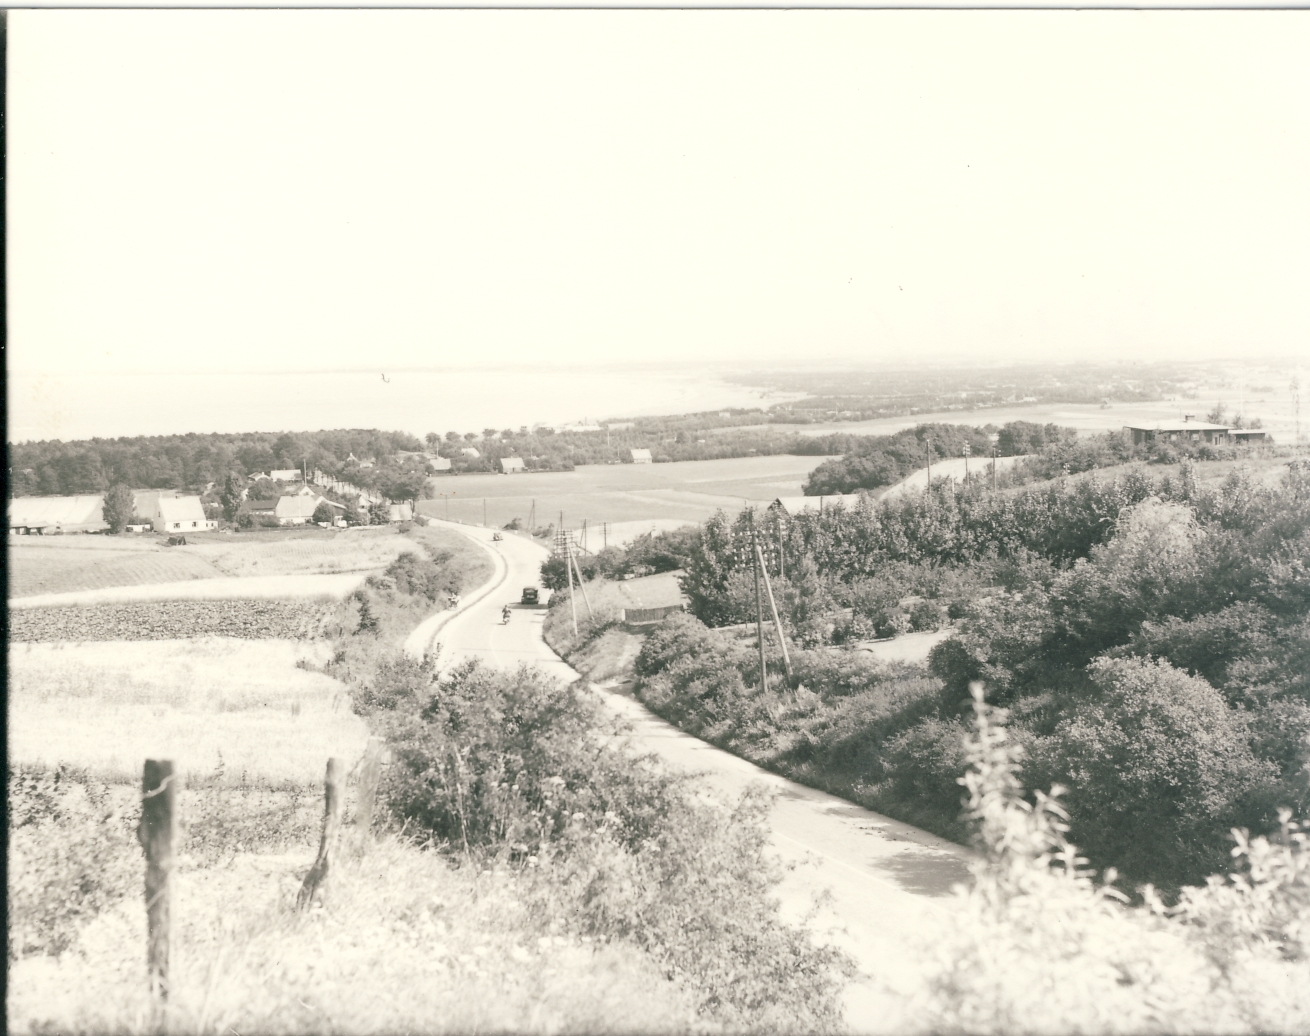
(236, 191)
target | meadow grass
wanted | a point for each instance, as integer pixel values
(36, 566)
(108, 705)
(302, 552)
(402, 943)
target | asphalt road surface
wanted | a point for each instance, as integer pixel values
(882, 886)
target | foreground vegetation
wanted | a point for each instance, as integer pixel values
(527, 873)
(1150, 635)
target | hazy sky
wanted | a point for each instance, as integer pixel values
(292, 190)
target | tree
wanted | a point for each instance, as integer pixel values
(433, 439)
(1158, 764)
(1216, 416)
(120, 506)
(229, 496)
(379, 513)
(324, 513)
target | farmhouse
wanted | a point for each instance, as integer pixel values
(508, 465)
(1185, 431)
(168, 512)
(44, 515)
(299, 510)
(641, 457)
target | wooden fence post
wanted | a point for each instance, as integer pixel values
(370, 775)
(158, 826)
(318, 873)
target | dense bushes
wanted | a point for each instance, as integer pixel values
(1037, 945)
(870, 462)
(646, 555)
(70, 856)
(520, 770)
(1056, 593)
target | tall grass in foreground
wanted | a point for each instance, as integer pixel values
(106, 706)
(1040, 947)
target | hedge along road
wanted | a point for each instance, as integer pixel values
(885, 884)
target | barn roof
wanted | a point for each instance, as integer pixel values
(67, 512)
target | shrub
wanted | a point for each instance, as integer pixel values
(519, 768)
(1037, 945)
(72, 854)
(922, 767)
(1159, 765)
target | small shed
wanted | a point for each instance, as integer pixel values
(510, 465)
(641, 456)
(400, 513)
(438, 463)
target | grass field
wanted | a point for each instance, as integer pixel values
(108, 705)
(406, 943)
(61, 564)
(301, 552)
(688, 491)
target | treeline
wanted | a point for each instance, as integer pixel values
(1151, 636)
(873, 461)
(192, 460)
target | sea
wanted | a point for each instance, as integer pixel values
(83, 405)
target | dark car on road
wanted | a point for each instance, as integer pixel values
(529, 595)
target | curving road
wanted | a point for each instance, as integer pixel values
(885, 884)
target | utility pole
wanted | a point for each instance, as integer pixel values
(928, 440)
(484, 510)
(581, 585)
(759, 608)
(573, 605)
(773, 606)
(532, 517)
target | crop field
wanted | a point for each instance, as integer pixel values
(61, 564)
(106, 706)
(308, 552)
(246, 619)
(688, 491)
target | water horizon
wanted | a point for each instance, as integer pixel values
(70, 406)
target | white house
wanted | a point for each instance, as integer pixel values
(641, 457)
(508, 465)
(286, 474)
(471, 452)
(168, 512)
(438, 463)
(400, 513)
